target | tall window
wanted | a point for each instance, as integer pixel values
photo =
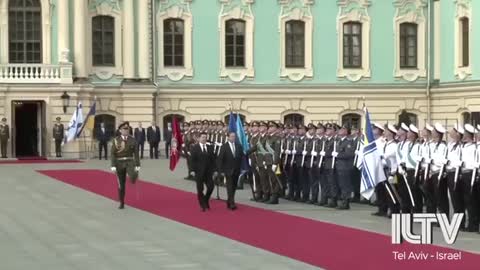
(352, 45)
(465, 42)
(173, 43)
(235, 43)
(295, 44)
(25, 31)
(351, 119)
(408, 45)
(103, 33)
(293, 119)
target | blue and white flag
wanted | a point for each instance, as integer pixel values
(371, 169)
(76, 122)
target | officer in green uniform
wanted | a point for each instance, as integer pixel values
(58, 136)
(4, 137)
(125, 160)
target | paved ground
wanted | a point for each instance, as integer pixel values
(45, 224)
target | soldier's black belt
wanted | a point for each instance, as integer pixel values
(125, 158)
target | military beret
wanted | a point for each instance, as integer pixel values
(124, 124)
(58, 118)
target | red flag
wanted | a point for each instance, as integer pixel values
(175, 145)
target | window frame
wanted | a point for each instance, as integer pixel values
(103, 33)
(174, 43)
(234, 44)
(350, 47)
(463, 11)
(405, 37)
(291, 39)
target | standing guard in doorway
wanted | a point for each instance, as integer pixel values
(4, 137)
(58, 136)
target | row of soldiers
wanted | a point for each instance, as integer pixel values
(432, 167)
(313, 163)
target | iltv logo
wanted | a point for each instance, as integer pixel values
(402, 227)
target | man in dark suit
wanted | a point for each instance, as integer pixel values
(102, 137)
(153, 138)
(203, 163)
(167, 137)
(140, 138)
(229, 162)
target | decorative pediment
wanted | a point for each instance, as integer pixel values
(104, 6)
(296, 8)
(354, 8)
(414, 9)
(175, 8)
(237, 8)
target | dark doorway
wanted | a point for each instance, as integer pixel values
(168, 120)
(293, 119)
(28, 132)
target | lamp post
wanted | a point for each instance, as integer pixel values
(66, 101)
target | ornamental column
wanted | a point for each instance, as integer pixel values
(63, 30)
(80, 29)
(143, 40)
(128, 40)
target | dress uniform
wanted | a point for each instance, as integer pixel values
(467, 198)
(272, 161)
(328, 171)
(344, 154)
(289, 163)
(58, 136)
(4, 137)
(424, 159)
(407, 169)
(301, 180)
(309, 163)
(125, 160)
(261, 152)
(435, 187)
(318, 181)
(390, 164)
(253, 160)
(356, 177)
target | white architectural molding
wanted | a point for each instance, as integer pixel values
(296, 10)
(354, 11)
(410, 11)
(46, 7)
(180, 10)
(240, 10)
(107, 8)
(463, 10)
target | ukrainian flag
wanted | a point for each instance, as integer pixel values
(371, 168)
(89, 119)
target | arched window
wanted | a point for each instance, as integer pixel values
(226, 119)
(103, 40)
(352, 120)
(110, 124)
(235, 43)
(293, 119)
(407, 118)
(295, 44)
(24, 31)
(168, 120)
(173, 43)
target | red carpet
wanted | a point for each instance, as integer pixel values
(32, 158)
(39, 161)
(317, 243)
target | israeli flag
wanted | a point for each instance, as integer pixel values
(76, 122)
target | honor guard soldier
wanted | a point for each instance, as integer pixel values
(402, 153)
(380, 190)
(455, 166)
(256, 182)
(424, 168)
(356, 177)
(328, 166)
(272, 159)
(435, 186)
(260, 151)
(58, 136)
(301, 178)
(125, 160)
(289, 162)
(469, 196)
(452, 166)
(4, 137)
(390, 166)
(308, 164)
(318, 181)
(407, 187)
(345, 153)
(188, 140)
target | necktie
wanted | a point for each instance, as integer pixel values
(203, 148)
(233, 149)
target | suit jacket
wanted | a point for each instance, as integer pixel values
(227, 163)
(153, 136)
(203, 164)
(139, 135)
(167, 135)
(102, 136)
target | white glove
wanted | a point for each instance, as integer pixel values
(288, 152)
(418, 159)
(400, 169)
(294, 152)
(215, 174)
(304, 153)
(314, 153)
(458, 163)
(357, 152)
(322, 153)
(192, 173)
(137, 169)
(444, 161)
(390, 179)
(384, 163)
(264, 163)
(113, 169)
(334, 154)
(274, 167)
(428, 160)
